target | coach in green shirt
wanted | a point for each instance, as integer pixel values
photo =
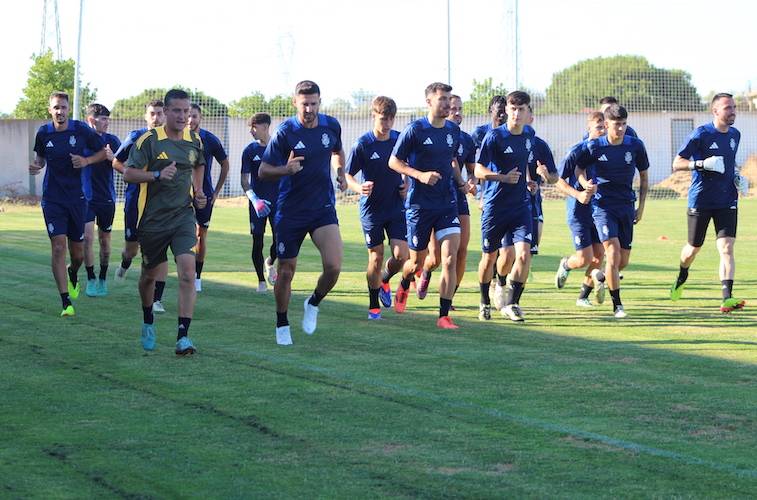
(168, 163)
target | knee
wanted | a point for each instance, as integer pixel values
(332, 268)
(285, 273)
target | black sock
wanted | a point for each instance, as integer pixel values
(183, 329)
(147, 316)
(65, 299)
(281, 319)
(683, 275)
(615, 294)
(315, 299)
(444, 305)
(90, 272)
(585, 291)
(405, 283)
(426, 275)
(373, 300)
(198, 267)
(257, 255)
(72, 276)
(484, 287)
(501, 280)
(125, 263)
(103, 272)
(513, 292)
(159, 286)
(727, 288)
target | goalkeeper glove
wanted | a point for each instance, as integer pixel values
(262, 207)
(713, 164)
(742, 184)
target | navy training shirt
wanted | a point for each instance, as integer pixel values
(251, 158)
(97, 178)
(371, 156)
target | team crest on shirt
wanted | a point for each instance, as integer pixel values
(192, 156)
(72, 141)
(628, 157)
(325, 140)
(528, 144)
(733, 144)
(450, 140)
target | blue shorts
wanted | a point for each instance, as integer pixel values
(131, 219)
(504, 230)
(291, 231)
(536, 209)
(462, 203)
(421, 221)
(615, 222)
(375, 225)
(202, 215)
(257, 224)
(65, 219)
(583, 232)
(103, 213)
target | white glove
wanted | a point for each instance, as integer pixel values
(742, 184)
(262, 207)
(713, 164)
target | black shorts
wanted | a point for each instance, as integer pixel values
(699, 219)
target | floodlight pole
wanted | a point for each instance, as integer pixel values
(449, 48)
(77, 63)
(517, 49)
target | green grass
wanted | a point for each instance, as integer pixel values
(570, 404)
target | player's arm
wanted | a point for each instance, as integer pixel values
(221, 177)
(337, 163)
(402, 167)
(353, 166)
(198, 175)
(82, 161)
(457, 177)
(268, 172)
(246, 172)
(37, 165)
(643, 189)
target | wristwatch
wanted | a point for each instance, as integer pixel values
(156, 175)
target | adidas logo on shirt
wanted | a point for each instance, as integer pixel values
(162, 156)
(714, 146)
(508, 150)
(375, 156)
(603, 158)
(49, 144)
(299, 145)
(257, 158)
(428, 141)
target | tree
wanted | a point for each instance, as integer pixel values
(362, 99)
(482, 93)
(637, 84)
(338, 106)
(46, 76)
(134, 107)
(256, 102)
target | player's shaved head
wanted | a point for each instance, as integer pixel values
(721, 95)
(437, 87)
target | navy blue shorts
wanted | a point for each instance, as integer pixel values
(202, 215)
(131, 219)
(258, 224)
(65, 219)
(462, 203)
(583, 232)
(376, 225)
(615, 222)
(421, 221)
(291, 231)
(504, 230)
(102, 214)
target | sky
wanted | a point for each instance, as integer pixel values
(229, 49)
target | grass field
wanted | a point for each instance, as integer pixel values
(570, 404)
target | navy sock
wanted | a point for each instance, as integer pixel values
(405, 283)
(281, 319)
(159, 287)
(585, 291)
(183, 329)
(484, 287)
(683, 275)
(373, 295)
(444, 305)
(72, 276)
(147, 316)
(315, 299)
(615, 294)
(65, 299)
(125, 263)
(514, 292)
(103, 272)
(90, 272)
(198, 267)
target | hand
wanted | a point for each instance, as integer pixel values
(590, 187)
(168, 173)
(429, 178)
(712, 164)
(213, 199)
(541, 170)
(472, 186)
(341, 182)
(366, 188)
(262, 207)
(512, 177)
(294, 164)
(200, 199)
(78, 161)
(584, 197)
(35, 169)
(403, 189)
(532, 187)
(742, 184)
(639, 213)
(108, 153)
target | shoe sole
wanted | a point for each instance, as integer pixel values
(186, 352)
